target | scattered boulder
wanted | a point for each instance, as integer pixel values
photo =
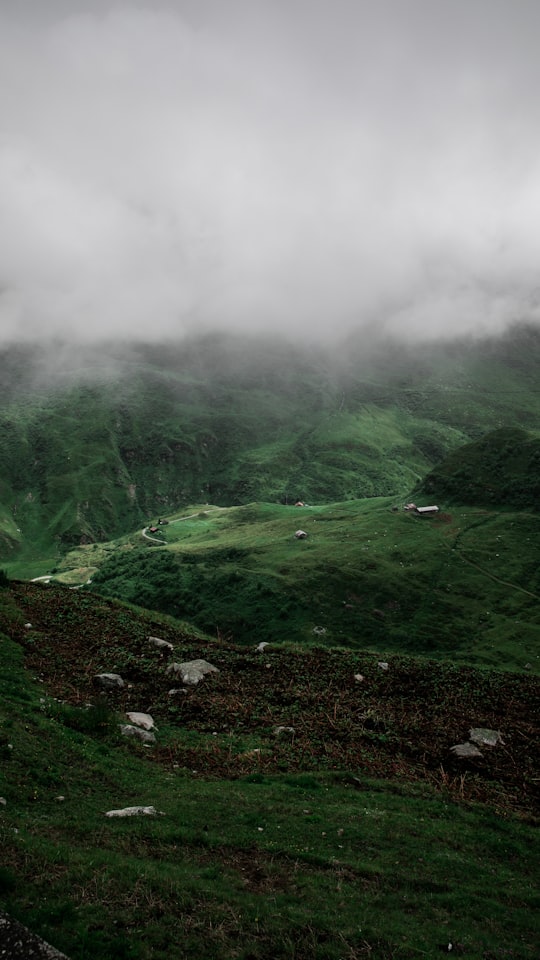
(359, 677)
(484, 737)
(160, 644)
(478, 737)
(143, 720)
(261, 646)
(319, 631)
(127, 730)
(28, 626)
(466, 750)
(109, 681)
(133, 812)
(175, 690)
(382, 665)
(300, 534)
(192, 672)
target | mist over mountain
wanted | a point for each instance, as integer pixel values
(96, 440)
(303, 167)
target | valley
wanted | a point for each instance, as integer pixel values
(365, 743)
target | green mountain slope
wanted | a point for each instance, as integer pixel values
(464, 584)
(502, 468)
(92, 444)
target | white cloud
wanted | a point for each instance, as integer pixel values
(304, 166)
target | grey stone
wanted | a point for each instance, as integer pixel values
(133, 812)
(128, 731)
(160, 644)
(485, 737)
(466, 750)
(110, 681)
(192, 672)
(143, 720)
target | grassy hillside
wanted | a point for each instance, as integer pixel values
(464, 584)
(93, 444)
(360, 834)
(502, 468)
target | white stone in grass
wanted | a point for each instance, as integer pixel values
(192, 672)
(466, 750)
(261, 646)
(133, 812)
(382, 665)
(359, 677)
(160, 644)
(144, 735)
(143, 720)
(110, 681)
(484, 737)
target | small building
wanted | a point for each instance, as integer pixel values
(300, 534)
(410, 506)
(299, 503)
(426, 511)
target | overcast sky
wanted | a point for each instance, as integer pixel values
(301, 165)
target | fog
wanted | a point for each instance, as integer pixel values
(311, 167)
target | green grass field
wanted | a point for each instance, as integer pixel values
(344, 842)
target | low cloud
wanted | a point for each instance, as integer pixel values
(311, 167)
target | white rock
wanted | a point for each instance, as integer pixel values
(300, 534)
(193, 671)
(28, 626)
(110, 681)
(485, 737)
(382, 665)
(143, 720)
(359, 677)
(466, 750)
(128, 731)
(132, 812)
(160, 644)
(261, 646)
